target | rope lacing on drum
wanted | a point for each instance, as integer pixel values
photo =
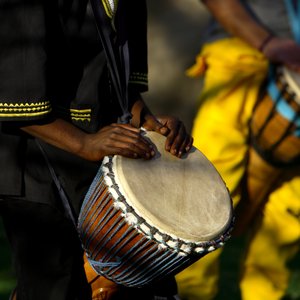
(181, 247)
(101, 264)
(116, 188)
(106, 165)
(153, 231)
(165, 237)
(121, 198)
(282, 106)
(129, 209)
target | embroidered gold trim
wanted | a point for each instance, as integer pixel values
(81, 114)
(24, 109)
(110, 7)
(23, 115)
(81, 119)
(27, 104)
(88, 110)
(139, 78)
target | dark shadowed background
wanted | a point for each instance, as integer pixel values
(174, 39)
(175, 29)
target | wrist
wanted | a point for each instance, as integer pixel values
(140, 114)
(265, 42)
(85, 149)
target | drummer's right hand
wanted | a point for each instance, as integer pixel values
(283, 51)
(117, 139)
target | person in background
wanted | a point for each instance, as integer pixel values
(244, 39)
(56, 95)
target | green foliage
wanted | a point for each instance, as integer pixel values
(7, 279)
(293, 291)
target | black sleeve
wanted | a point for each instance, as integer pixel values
(22, 61)
(40, 59)
(138, 47)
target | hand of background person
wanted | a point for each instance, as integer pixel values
(284, 51)
(178, 140)
(238, 21)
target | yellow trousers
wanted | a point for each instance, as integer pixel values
(233, 75)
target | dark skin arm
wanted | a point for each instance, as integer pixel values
(114, 139)
(233, 16)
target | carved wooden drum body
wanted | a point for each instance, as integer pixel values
(275, 125)
(143, 220)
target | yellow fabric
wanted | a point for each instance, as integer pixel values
(266, 275)
(199, 281)
(233, 74)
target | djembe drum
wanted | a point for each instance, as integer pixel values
(143, 220)
(275, 124)
(275, 141)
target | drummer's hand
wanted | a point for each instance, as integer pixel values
(117, 139)
(178, 140)
(284, 51)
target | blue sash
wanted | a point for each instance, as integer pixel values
(282, 106)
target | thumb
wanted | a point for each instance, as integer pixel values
(164, 130)
(155, 125)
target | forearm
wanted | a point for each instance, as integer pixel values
(121, 139)
(60, 134)
(140, 113)
(235, 18)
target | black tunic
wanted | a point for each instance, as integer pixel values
(52, 66)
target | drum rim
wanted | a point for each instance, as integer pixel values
(287, 78)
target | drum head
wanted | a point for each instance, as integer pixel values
(183, 197)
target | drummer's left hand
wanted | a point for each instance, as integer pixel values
(178, 140)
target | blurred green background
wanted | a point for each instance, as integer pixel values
(7, 279)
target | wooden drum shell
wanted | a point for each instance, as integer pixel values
(272, 133)
(126, 248)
